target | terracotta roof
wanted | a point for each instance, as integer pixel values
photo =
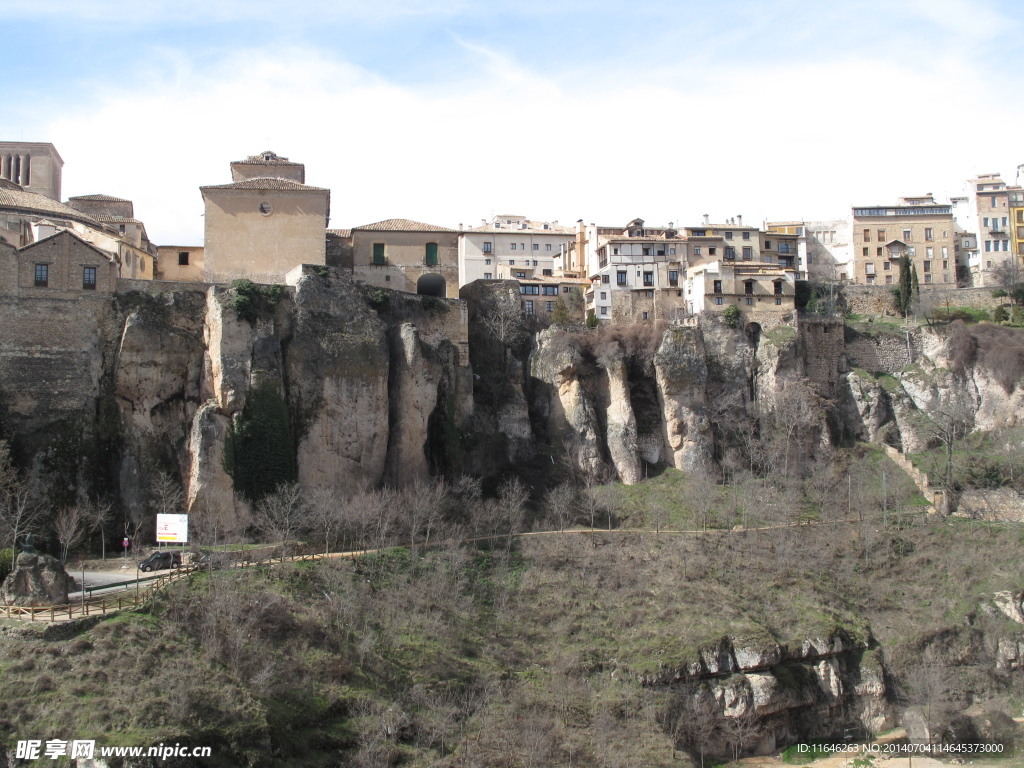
(401, 225)
(340, 232)
(100, 198)
(264, 182)
(266, 158)
(32, 202)
(118, 219)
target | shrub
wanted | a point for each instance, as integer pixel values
(259, 452)
(6, 563)
(591, 319)
(1000, 315)
(379, 299)
(251, 301)
(732, 315)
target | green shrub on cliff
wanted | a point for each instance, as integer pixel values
(732, 315)
(251, 301)
(259, 452)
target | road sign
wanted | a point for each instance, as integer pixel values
(124, 542)
(172, 528)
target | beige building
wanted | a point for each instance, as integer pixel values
(266, 222)
(181, 263)
(917, 226)
(989, 216)
(763, 292)
(407, 256)
(511, 245)
(540, 295)
(34, 166)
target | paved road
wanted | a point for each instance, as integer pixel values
(101, 578)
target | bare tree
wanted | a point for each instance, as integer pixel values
(694, 719)
(701, 489)
(98, 515)
(69, 525)
(282, 515)
(425, 502)
(560, 506)
(325, 514)
(20, 508)
(503, 319)
(947, 425)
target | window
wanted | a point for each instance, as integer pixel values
(547, 247)
(945, 252)
(748, 253)
(928, 233)
(535, 262)
(878, 251)
(546, 227)
(536, 246)
(550, 290)
(927, 266)
(604, 296)
(522, 276)
(487, 262)
(696, 250)
(864, 251)
(886, 266)
(869, 268)
(778, 287)
(718, 299)
(89, 278)
(984, 222)
(431, 255)
(929, 252)
(487, 275)
(646, 315)
(378, 253)
(927, 278)
(512, 262)
(746, 235)
(988, 246)
(120, 227)
(748, 287)
(528, 306)
(522, 246)
(606, 279)
(881, 235)
(888, 279)
(265, 208)
(546, 272)
(728, 235)
(785, 248)
(673, 277)
(565, 289)
(870, 279)
(620, 278)
(730, 252)
(671, 251)
(711, 250)
(906, 235)
(487, 247)
(867, 235)
(717, 286)
(604, 310)
(549, 306)
(750, 302)
(512, 246)
(182, 258)
(945, 265)
(648, 278)
(42, 275)
(778, 302)
(529, 290)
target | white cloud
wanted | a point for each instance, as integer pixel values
(779, 141)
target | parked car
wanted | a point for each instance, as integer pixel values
(159, 561)
(214, 560)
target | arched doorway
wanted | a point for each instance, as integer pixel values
(753, 333)
(431, 285)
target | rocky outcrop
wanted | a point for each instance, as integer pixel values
(37, 580)
(681, 372)
(413, 395)
(621, 430)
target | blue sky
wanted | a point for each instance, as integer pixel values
(451, 110)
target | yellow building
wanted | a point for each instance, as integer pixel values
(1016, 204)
(407, 256)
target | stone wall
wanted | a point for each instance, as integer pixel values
(874, 300)
(997, 505)
(823, 350)
(883, 353)
(935, 498)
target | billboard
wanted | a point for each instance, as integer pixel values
(172, 528)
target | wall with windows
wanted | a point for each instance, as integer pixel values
(181, 263)
(878, 241)
(508, 249)
(397, 260)
(61, 266)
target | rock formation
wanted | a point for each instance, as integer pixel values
(37, 580)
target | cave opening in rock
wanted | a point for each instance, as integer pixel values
(431, 285)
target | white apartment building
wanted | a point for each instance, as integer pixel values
(512, 247)
(988, 215)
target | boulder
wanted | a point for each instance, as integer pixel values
(37, 580)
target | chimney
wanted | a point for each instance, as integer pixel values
(739, 220)
(460, 226)
(706, 218)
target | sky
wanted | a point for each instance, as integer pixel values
(451, 111)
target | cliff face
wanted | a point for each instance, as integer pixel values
(372, 392)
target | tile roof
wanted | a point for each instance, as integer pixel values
(265, 182)
(401, 225)
(32, 202)
(107, 254)
(340, 232)
(117, 219)
(100, 198)
(266, 158)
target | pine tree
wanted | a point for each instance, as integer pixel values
(904, 292)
